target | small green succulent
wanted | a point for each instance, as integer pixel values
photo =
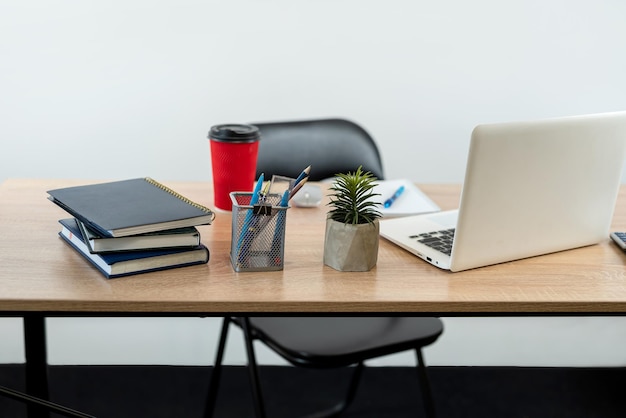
(351, 198)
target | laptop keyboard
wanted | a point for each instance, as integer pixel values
(438, 240)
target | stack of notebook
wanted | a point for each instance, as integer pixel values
(132, 226)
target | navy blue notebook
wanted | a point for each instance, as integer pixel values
(120, 264)
(130, 207)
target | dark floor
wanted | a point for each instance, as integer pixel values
(467, 392)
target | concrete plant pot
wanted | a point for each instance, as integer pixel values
(349, 247)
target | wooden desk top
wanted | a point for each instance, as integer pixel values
(39, 272)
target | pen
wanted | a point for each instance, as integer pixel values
(279, 229)
(284, 201)
(257, 189)
(249, 223)
(393, 198)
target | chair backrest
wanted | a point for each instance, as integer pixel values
(330, 146)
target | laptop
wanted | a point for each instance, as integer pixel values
(531, 188)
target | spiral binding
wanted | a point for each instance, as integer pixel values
(179, 196)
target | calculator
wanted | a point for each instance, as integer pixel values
(620, 239)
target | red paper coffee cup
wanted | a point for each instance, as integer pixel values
(234, 151)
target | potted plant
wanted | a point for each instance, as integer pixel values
(351, 240)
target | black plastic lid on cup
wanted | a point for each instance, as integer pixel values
(234, 133)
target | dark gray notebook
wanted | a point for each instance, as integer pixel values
(130, 207)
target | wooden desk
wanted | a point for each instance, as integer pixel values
(42, 276)
(39, 273)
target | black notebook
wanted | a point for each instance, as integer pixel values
(130, 207)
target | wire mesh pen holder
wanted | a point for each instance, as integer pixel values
(258, 233)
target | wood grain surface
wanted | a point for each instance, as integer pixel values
(40, 273)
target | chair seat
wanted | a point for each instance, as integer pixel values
(342, 341)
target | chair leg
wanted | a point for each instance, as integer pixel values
(217, 371)
(354, 383)
(429, 403)
(338, 409)
(253, 369)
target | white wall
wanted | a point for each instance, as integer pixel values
(121, 89)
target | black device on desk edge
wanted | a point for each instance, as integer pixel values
(620, 239)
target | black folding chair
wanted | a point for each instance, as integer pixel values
(329, 342)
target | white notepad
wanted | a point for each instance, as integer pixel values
(411, 202)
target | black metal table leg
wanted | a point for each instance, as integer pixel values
(36, 363)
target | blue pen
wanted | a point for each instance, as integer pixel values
(247, 230)
(284, 201)
(279, 231)
(393, 198)
(257, 189)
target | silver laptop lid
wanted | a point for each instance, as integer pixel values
(537, 187)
